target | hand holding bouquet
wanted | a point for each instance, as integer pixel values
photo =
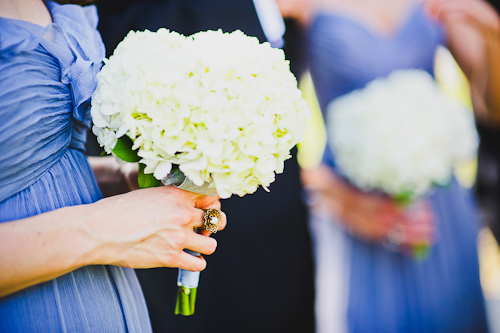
(218, 109)
(400, 136)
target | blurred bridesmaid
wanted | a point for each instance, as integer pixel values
(363, 283)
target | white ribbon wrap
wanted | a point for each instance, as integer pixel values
(178, 180)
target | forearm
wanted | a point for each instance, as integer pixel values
(43, 247)
(474, 31)
(141, 229)
(492, 93)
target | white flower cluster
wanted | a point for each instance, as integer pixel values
(223, 107)
(400, 134)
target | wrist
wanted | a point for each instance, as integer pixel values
(84, 236)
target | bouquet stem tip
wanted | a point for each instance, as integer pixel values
(186, 298)
(421, 252)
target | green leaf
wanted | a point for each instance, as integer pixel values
(404, 199)
(421, 252)
(147, 180)
(123, 149)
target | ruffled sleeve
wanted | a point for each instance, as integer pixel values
(78, 25)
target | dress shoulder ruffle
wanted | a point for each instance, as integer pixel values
(72, 39)
(78, 24)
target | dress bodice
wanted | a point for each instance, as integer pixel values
(47, 77)
(55, 66)
(344, 54)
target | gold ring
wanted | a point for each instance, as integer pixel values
(212, 219)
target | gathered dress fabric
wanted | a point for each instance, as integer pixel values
(47, 77)
(364, 287)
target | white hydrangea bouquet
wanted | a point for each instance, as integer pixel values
(217, 110)
(400, 135)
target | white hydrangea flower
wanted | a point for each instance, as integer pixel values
(223, 107)
(400, 134)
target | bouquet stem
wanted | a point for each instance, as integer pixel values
(186, 299)
(421, 252)
(186, 292)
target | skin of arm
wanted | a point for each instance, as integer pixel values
(473, 29)
(141, 229)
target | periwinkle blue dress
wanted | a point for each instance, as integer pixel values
(374, 289)
(47, 76)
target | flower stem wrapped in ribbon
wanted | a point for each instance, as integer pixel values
(218, 108)
(402, 136)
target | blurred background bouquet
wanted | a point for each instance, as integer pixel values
(401, 136)
(219, 109)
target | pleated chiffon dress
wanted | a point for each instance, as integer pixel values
(47, 77)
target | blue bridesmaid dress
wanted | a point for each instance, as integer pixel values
(47, 77)
(370, 288)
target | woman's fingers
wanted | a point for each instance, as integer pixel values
(441, 9)
(202, 244)
(207, 202)
(477, 12)
(200, 203)
(191, 263)
(197, 218)
(418, 234)
(224, 221)
(154, 234)
(416, 224)
(186, 196)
